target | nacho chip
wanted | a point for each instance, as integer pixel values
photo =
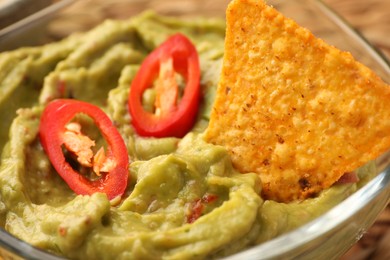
(293, 109)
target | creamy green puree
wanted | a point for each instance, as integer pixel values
(167, 175)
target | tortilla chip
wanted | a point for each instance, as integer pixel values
(293, 109)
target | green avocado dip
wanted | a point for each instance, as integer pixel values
(167, 176)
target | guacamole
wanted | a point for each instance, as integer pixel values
(167, 176)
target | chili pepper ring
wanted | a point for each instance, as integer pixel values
(174, 118)
(55, 117)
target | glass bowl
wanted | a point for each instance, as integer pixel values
(22, 22)
(328, 236)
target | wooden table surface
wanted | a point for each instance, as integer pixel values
(370, 17)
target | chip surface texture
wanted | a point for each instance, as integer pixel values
(292, 108)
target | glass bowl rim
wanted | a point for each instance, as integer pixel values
(306, 232)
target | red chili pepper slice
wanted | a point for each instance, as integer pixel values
(196, 211)
(56, 131)
(197, 207)
(172, 117)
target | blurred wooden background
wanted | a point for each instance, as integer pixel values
(370, 17)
